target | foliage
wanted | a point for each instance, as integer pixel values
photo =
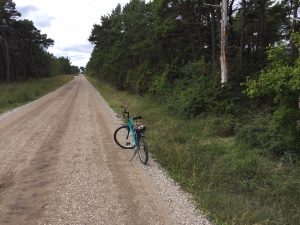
(157, 35)
(155, 47)
(280, 81)
(196, 92)
(196, 96)
(137, 79)
(161, 88)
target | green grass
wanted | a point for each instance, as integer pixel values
(231, 183)
(16, 94)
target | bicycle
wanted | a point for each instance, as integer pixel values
(132, 136)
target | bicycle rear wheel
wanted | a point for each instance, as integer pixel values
(123, 138)
(143, 150)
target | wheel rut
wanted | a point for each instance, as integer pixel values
(25, 194)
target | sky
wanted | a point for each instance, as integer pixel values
(68, 22)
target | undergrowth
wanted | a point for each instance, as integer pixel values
(232, 182)
(18, 93)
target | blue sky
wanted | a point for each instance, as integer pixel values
(69, 23)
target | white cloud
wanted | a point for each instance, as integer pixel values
(25, 10)
(69, 23)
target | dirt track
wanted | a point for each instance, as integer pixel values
(59, 165)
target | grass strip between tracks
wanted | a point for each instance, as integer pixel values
(230, 183)
(18, 93)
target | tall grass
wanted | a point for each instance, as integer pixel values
(15, 94)
(231, 183)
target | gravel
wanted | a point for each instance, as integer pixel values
(180, 204)
(61, 166)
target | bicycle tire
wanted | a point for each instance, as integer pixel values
(128, 142)
(143, 150)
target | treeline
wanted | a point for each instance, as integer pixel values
(170, 49)
(23, 47)
(142, 43)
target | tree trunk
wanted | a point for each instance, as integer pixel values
(223, 57)
(213, 39)
(295, 6)
(242, 38)
(6, 55)
(190, 35)
(12, 71)
(261, 31)
(33, 66)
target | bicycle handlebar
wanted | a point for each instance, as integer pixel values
(127, 112)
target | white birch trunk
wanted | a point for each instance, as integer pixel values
(223, 57)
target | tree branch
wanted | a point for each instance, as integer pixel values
(210, 5)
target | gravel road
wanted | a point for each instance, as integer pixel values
(60, 165)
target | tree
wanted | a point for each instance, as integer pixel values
(8, 15)
(29, 44)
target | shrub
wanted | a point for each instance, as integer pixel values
(194, 96)
(161, 88)
(195, 90)
(280, 81)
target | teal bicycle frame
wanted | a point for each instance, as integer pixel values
(130, 124)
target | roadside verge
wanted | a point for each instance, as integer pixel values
(16, 94)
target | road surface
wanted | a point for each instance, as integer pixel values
(60, 165)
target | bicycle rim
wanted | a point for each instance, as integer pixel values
(143, 150)
(123, 138)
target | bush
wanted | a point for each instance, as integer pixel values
(280, 82)
(161, 89)
(191, 89)
(194, 96)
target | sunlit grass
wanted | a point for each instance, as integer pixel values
(231, 183)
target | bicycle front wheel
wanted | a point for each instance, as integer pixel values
(143, 150)
(123, 138)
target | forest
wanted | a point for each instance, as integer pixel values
(23, 52)
(170, 50)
